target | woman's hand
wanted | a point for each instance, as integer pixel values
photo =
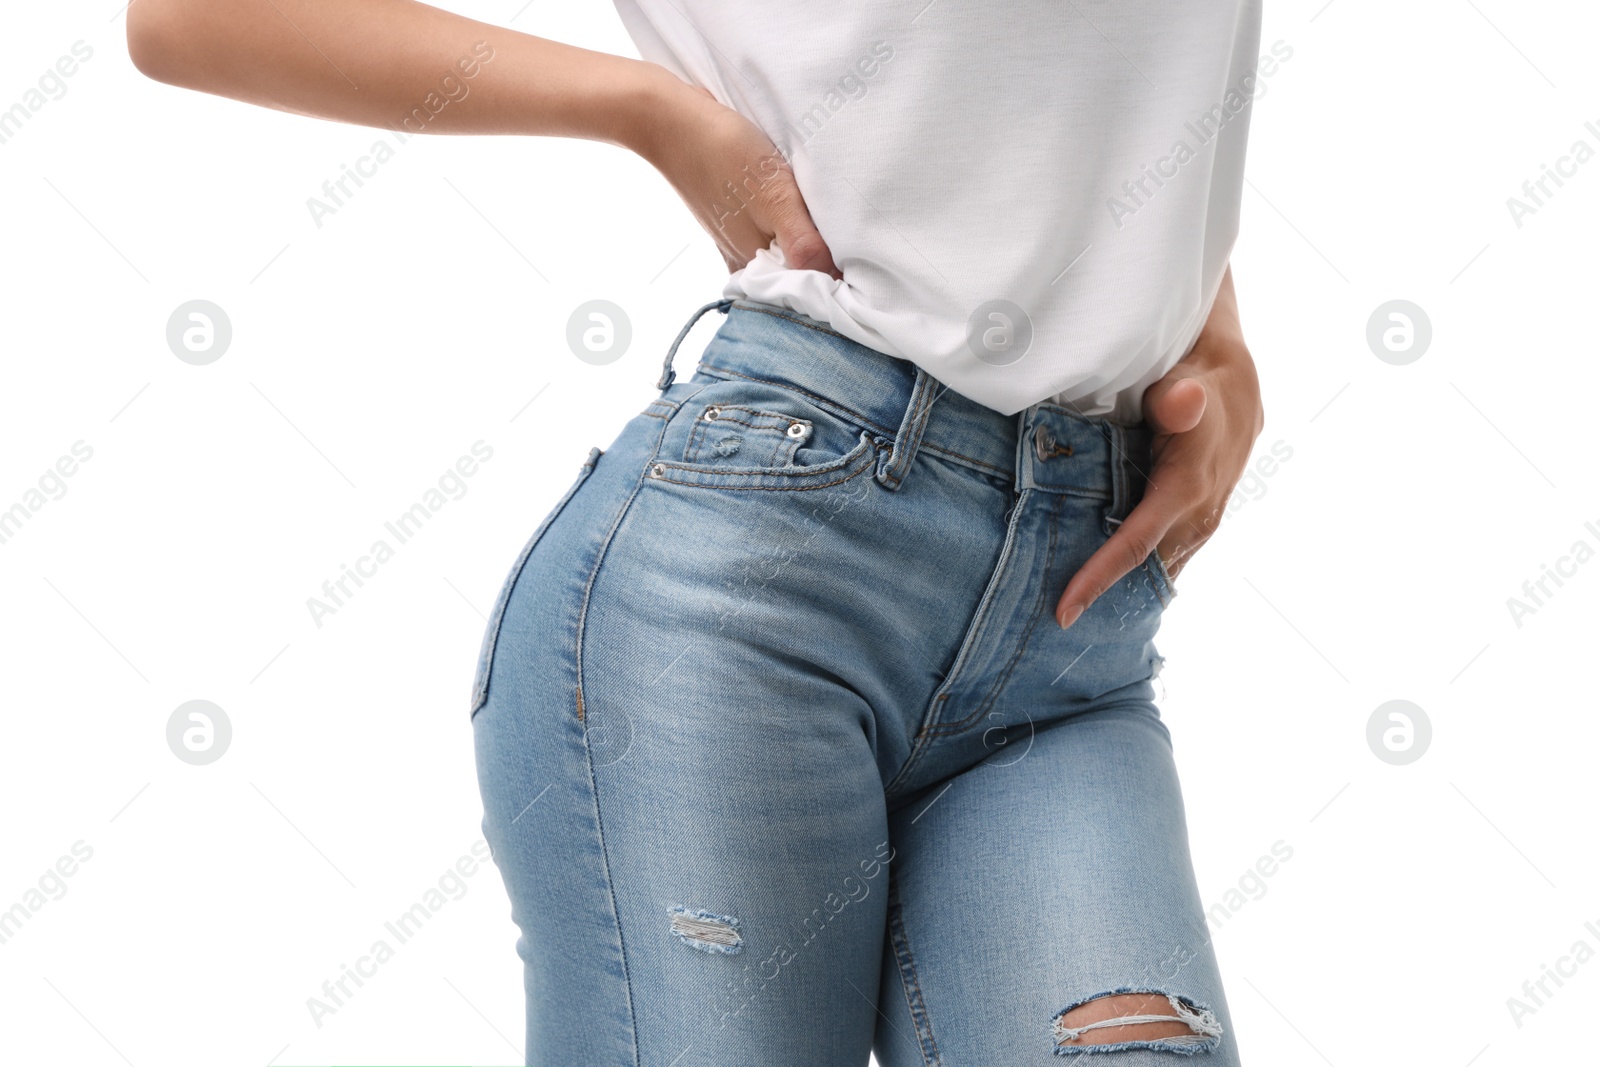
(1206, 413)
(732, 177)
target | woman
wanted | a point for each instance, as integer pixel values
(816, 718)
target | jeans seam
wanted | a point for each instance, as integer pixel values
(1155, 579)
(778, 314)
(588, 754)
(766, 488)
(600, 557)
(916, 1004)
(826, 403)
(483, 677)
(611, 897)
(851, 413)
(1003, 676)
(930, 722)
(963, 457)
(927, 727)
(864, 463)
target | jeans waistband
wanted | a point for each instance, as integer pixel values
(1046, 446)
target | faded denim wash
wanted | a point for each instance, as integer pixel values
(784, 758)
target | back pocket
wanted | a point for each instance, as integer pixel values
(480, 681)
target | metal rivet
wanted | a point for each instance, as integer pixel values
(798, 429)
(712, 413)
(658, 470)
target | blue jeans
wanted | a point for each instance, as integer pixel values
(784, 757)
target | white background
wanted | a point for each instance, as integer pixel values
(430, 312)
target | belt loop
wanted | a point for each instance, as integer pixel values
(1136, 458)
(1117, 458)
(1022, 477)
(892, 468)
(667, 373)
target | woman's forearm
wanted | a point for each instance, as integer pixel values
(1222, 326)
(1220, 349)
(399, 64)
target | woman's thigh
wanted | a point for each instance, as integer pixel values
(713, 895)
(679, 778)
(1032, 885)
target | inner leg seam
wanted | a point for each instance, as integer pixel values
(915, 1004)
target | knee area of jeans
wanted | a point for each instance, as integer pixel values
(1126, 1019)
(706, 931)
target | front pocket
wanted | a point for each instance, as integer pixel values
(480, 681)
(743, 433)
(1158, 572)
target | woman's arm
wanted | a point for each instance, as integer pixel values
(388, 63)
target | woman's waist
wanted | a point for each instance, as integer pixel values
(761, 342)
(1092, 352)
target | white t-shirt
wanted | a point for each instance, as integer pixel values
(1032, 200)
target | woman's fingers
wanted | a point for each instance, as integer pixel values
(1175, 403)
(789, 219)
(1135, 538)
(803, 248)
